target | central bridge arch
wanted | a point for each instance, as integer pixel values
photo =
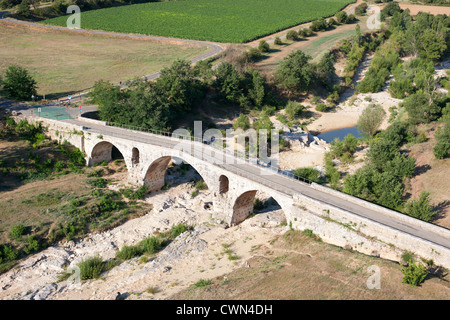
(155, 172)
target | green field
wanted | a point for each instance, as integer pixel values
(213, 20)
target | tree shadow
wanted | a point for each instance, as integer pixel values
(440, 209)
(421, 169)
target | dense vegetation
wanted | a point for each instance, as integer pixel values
(214, 20)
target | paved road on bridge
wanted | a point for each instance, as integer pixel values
(277, 182)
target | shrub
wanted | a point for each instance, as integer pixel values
(371, 119)
(414, 273)
(8, 253)
(442, 147)
(292, 35)
(129, 252)
(252, 55)
(341, 17)
(201, 185)
(17, 232)
(293, 109)
(319, 25)
(278, 41)
(263, 46)
(420, 208)
(202, 283)
(91, 268)
(178, 229)
(151, 245)
(321, 107)
(308, 173)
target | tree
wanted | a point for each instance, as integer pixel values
(371, 119)
(431, 45)
(442, 147)
(292, 35)
(341, 17)
(242, 122)
(263, 46)
(228, 81)
(19, 83)
(255, 89)
(421, 108)
(179, 86)
(24, 8)
(295, 73)
(420, 208)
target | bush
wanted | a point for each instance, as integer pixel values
(308, 173)
(321, 107)
(292, 35)
(420, 208)
(178, 229)
(293, 109)
(278, 41)
(371, 119)
(8, 253)
(414, 274)
(319, 25)
(341, 17)
(201, 185)
(263, 46)
(442, 147)
(202, 283)
(17, 232)
(129, 252)
(252, 55)
(151, 245)
(91, 268)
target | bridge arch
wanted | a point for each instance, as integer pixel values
(155, 172)
(105, 151)
(244, 206)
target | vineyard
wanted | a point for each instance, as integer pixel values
(213, 20)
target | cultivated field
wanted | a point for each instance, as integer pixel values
(64, 62)
(213, 20)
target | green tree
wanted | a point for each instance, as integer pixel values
(263, 46)
(371, 119)
(24, 8)
(442, 147)
(228, 81)
(420, 208)
(295, 73)
(179, 86)
(19, 83)
(421, 108)
(431, 45)
(341, 17)
(242, 122)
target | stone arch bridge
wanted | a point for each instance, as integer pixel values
(335, 217)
